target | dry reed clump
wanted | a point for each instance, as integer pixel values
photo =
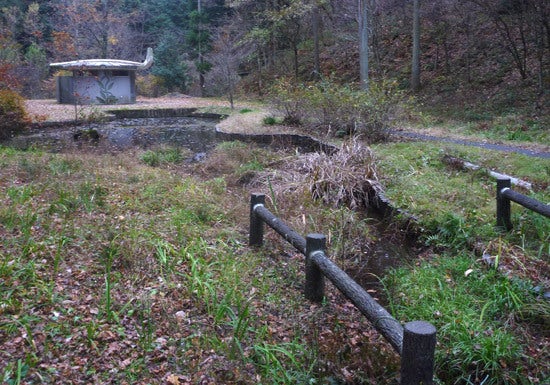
(347, 177)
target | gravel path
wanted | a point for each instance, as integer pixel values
(490, 146)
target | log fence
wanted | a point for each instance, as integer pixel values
(414, 342)
(505, 195)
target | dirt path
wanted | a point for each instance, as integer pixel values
(48, 110)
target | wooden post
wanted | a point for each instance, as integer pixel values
(256, 235)
(314, 289)
(503, 204)
(417, 356)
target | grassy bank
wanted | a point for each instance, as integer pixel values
(481, 287)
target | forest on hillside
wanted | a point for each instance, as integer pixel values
(205, 47)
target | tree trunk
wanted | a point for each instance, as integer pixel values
(315, 27)
(415, 73)
(105, 32)
(468, 49)
(364, 44)
(296, 63)
(201, 59)
(260, 75)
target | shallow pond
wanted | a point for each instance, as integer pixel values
(195, 134)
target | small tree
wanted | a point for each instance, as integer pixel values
(228, 50)
(34, 71)
(13, 116)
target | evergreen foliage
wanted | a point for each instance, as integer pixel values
(169, 66)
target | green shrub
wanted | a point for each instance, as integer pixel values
(269, 120)
(336, 109)
(13, 116)
(150, 85)
(289, 98)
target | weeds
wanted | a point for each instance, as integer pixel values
(145, 325)
(164, 253)
(271, 359)
(14, 374)
(107, 257)
(346, 178)
(162, 156)
(474, 301)
(269, 120)
(468, 326)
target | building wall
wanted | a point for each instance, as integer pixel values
(100, 88)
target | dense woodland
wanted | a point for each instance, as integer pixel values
(209, 46)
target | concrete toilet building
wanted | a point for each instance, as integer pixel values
(99, 81)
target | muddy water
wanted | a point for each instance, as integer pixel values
(389, 247)
(196, 134)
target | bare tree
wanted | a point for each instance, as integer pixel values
(229, 50)
(517, 22)
(95, 28)
(363, 13)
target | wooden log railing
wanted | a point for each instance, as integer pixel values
(414, 342)
(505, 195)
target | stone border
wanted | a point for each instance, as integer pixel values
(306, 143)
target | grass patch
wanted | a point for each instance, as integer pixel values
(474, 310)
(162, 156)
(456, 205)
(479, 285)
(136, 274)
(514, 126)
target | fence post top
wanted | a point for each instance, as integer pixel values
(420, 327)
(316, 236)
(257, 199)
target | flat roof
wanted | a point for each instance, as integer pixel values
(106, 64)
